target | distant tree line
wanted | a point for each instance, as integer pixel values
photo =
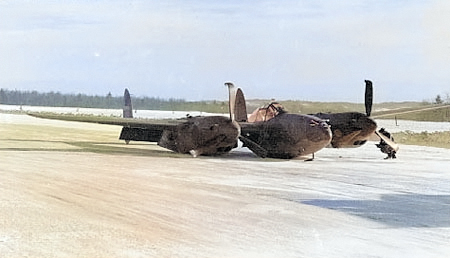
(57, 99)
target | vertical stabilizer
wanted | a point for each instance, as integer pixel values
(127, 108)
(240, 109)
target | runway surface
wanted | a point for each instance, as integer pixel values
(73, 190)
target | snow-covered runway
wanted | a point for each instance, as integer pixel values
(65, 200)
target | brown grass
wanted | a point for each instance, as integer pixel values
(435, 139)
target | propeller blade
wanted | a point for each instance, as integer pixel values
(232, 105)
(388, 141)
(240, 108)
(253, 146)
(231, 99)
(368, 97)
(127, 108)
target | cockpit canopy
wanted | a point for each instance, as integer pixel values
(266, 113)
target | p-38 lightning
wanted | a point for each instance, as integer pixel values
(268, 132)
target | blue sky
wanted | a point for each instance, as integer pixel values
(303, 50)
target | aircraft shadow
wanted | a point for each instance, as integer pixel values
(396, 210)
(112, 148)
(115, 148)
(133, 149)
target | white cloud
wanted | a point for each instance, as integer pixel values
(263, 44)
(437, 35)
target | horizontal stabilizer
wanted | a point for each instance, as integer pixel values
(140, 134)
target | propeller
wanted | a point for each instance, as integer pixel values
(368, 97)
(368, 103)
(255, 147)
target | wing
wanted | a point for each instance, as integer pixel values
(150, 130)
(200, 135)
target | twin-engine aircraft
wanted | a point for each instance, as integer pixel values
(270, 132)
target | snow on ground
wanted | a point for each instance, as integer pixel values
(346, 203)
(156, 114)
(413, 126)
